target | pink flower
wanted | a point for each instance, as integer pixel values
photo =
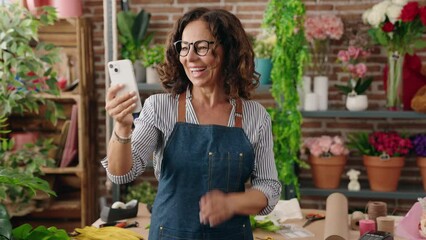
(325, 146)
(343, 56)
(361, 69)
(322, 27)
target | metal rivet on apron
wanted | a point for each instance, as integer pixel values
(241, 154)
(210, 153)
(161, 227)
(244, 225)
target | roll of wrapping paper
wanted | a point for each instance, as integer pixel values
(355, 218)
(385, 224)
(376, 209)
(366, 225)
(336, 217)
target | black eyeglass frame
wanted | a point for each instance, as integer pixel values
(189, 47)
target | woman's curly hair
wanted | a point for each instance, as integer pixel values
(238, 62)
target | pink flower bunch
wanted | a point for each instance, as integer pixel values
(322, 27)
(390, 143)
(325, 146)
(352, 59)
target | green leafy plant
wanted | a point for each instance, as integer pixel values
(153, 55)
(360, 86)
(133, 35)
(289, 58)
(143, 192)
(264, 45)
(26, 232)
(265, 224)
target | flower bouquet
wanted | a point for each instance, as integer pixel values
(398, 26)
(383, 156)
(327, 158)
(318, 31)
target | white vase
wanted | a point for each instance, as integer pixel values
(152, 75)
(356, 102)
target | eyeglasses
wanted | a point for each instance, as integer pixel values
(201, 47)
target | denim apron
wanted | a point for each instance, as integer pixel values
(196, 160)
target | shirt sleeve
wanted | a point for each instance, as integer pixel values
(144, 140)
(265, 176)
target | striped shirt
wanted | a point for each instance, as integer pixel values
(155, 124)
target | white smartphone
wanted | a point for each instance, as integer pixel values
(121, 72)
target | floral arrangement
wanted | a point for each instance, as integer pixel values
(318, 31)
(264, 45)
(353, 63)
(325, 146)
(419, 144)
(382, 143)
(397, 25)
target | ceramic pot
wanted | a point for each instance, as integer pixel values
(264, 67)
(383, 173)
(152, 75)
(68, 8)
(34, 6)
(357, 102)
(421, 163)
(140, 71)
(327, 171)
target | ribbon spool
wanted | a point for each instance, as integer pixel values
(366, 225)
(355, 218)
(376, 209)
(385, 224)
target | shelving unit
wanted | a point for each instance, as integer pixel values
(363, 114)
(75, 185)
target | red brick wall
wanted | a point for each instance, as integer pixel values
(164, 14)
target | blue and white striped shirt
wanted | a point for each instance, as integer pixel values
(155, 124)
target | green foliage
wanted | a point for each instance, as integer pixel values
(264, 45)
(26, 232)
(153, 55)
(361, 86)
(5, 225)
(133, 35)
(143, 192)
(289, 58)
(266, 225)
(25, 69)
(359, 141)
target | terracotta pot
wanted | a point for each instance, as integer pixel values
(421, 163)
(68, 8)
(326, 171)
(35, 6)
(383, 174)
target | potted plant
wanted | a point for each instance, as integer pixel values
(352, 60)
(26, 73)
(327, 157)
(289, 58)
(419, 147)
(263, 46)
(383, 154)
(151, 57)
(144, 192)
(133, 36)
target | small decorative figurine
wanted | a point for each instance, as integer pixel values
(353, 177)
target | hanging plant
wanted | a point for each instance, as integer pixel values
(289, 58)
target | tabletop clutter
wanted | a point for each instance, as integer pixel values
(374, 224)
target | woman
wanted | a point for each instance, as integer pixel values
(207, 138)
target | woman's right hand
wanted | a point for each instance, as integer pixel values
(120, 108)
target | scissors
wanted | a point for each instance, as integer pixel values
(312, 217)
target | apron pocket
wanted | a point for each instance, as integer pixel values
(226, 171)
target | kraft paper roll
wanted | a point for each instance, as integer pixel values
(385, 224)
(377, 209)
(355, 218)
(336, 217)
(366, 225)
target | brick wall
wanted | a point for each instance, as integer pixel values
(164, 14)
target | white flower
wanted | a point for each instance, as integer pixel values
(377, 14)
(399, 2)
(365, 16)
(393, 12)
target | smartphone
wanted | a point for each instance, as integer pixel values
(121, 72)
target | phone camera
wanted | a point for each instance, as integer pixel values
(116, 70)
(111, 66)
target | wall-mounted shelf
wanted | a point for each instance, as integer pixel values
(363, 114)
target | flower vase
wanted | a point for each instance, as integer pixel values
(319, 56)
(327, 170)
(394, 81)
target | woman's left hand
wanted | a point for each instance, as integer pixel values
(215, 208)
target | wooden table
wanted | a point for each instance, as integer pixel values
(317, 228)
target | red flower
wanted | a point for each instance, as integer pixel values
(410, 11)
(423, 15)
(388, 27)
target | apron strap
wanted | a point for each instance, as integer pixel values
(182, 107)
(239, 113)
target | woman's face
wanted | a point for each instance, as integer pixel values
(202, 71)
